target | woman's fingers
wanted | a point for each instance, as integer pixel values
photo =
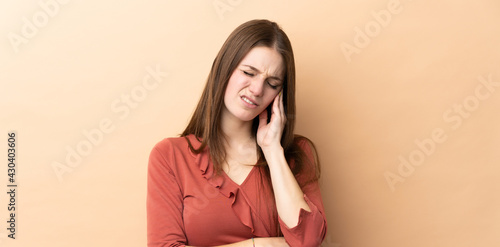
(279, 109)
(270, 133)
(263, 118)
(276, 105)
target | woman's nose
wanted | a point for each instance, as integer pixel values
(257, 87)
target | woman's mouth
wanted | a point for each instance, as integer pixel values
(249, 102)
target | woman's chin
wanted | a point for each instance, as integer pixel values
(247, 117)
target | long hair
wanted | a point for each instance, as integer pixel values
(206, 120)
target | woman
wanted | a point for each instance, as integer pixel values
(238, 175)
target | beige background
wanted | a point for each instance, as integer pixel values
(403, 83)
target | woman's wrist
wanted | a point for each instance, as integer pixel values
(272, 150)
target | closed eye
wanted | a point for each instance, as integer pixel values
(248, 73)
(272, 86)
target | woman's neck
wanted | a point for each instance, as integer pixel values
(236, 132)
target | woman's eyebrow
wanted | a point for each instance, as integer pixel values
(258, 71)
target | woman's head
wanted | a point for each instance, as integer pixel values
(256, 33)
(254, 84)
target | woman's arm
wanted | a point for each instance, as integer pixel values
(300, 209)
(165, 224)
(289, 197)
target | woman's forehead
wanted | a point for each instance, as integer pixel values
(266, 60)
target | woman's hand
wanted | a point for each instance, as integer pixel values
(269, 134)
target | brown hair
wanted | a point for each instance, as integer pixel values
(205, 122)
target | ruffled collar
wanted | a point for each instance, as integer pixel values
(240, 201)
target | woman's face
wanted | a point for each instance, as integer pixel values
(254, 83)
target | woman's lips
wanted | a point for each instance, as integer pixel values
(250, 103)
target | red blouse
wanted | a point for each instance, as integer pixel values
(186, 205)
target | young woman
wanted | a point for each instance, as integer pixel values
(238, 175)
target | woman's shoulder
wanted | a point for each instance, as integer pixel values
(306, 156)
(177, 144)
(173, 154)
(304, 143)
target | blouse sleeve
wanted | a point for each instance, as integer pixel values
(165, 226)
(311, 227)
